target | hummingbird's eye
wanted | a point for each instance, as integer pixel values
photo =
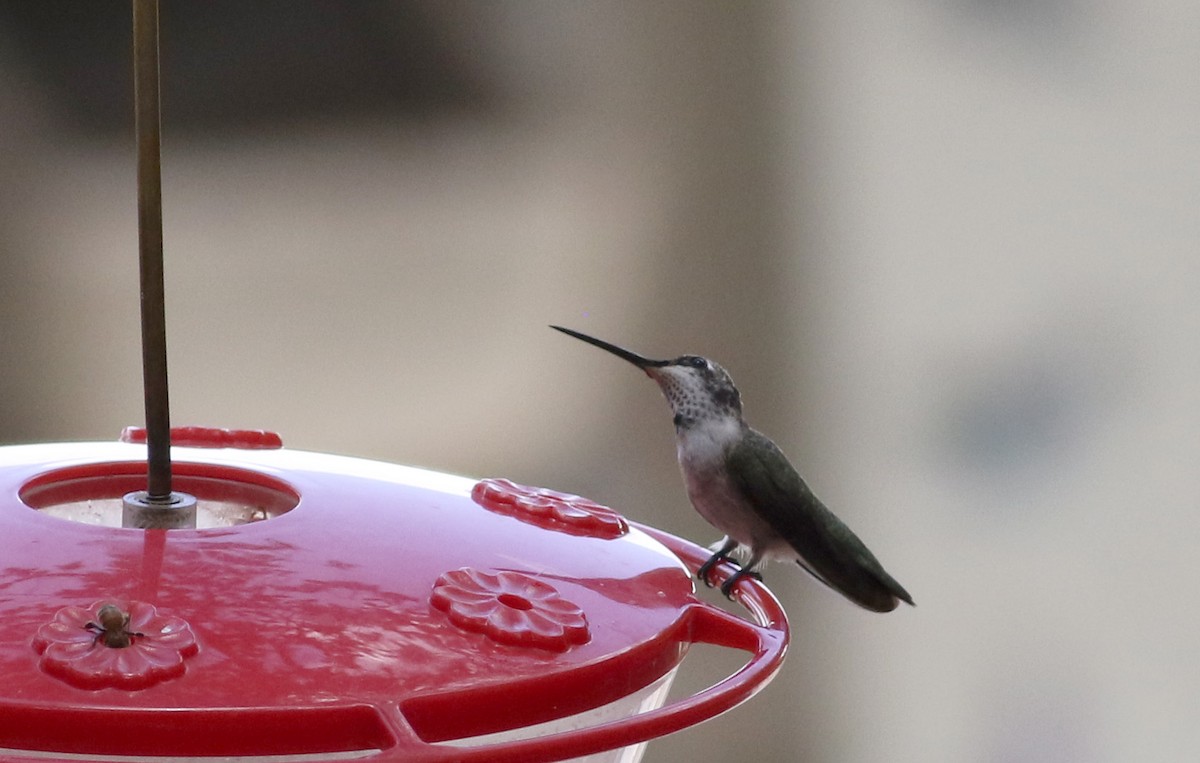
(698, 362)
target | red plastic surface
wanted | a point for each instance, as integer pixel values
(319, 630)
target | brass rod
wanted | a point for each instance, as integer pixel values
(150, 248)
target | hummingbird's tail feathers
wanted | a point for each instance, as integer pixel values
(823, 544)
(875, 598)
(898, 590)
(837, 557)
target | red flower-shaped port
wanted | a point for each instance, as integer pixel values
(211, 437)
(550, 509)
(74, 646)
(511, 608)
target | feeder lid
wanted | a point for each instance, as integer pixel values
(332, 605)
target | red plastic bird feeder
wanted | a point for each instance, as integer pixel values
(229, 598)
(343, 608)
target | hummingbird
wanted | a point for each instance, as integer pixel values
(745, 487)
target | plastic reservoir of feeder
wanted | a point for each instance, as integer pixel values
(332, 608)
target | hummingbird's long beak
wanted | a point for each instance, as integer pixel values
(620, 352)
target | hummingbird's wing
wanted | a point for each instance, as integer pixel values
(827, 548)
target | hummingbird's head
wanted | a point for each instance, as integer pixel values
(698, 389)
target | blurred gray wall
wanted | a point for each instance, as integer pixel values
(946, 249)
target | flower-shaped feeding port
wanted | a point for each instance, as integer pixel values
(550, 509)
(114, 644)
(211, 437)
(510, 608)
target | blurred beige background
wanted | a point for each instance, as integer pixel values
(947, 250)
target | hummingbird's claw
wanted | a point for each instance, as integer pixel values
(743, 572)
(706, 568)
(722, 554)
(727, 586)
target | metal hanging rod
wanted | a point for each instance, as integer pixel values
(150, 249)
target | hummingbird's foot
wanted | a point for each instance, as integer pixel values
(727, 586)
(746, 570)
(706, 568)
(718, 557)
